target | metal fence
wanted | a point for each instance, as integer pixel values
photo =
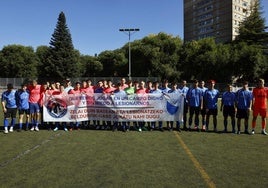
(18, 81)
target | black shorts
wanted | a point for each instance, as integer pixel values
(194, 110)
(228, 111)
(213, 112)
(11, 112)
(24, 111)
(242, 113)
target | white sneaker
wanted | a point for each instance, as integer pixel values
(140, 130)
(11, 129)
(5, 131)
(263, 132)
(36, 129)
(252, 132)
(56, 129)
(65, 129)
(32, 129)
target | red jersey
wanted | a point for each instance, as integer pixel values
(87, 90)
(35, 93)
(260, 96)
(141, 91)
(108, 89)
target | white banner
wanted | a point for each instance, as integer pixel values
(116, 107)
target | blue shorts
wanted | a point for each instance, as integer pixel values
(34, 108)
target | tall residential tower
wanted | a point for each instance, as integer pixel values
(214, 18)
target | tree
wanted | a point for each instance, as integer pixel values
(18, 61)
(92, 67)
(252, 29)
(63, 60)
(114, 63)
(250, 63)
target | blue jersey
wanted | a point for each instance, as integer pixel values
(243, 98)
(22, 98)
(165, 89)
(204, 89)
(9, 97)
(194, 97)
(211, 98)
(228, 98)
(156, 91)
(174, 91)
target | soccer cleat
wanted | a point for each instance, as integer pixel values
(263, 132)
(252, 132)
(56, 129)
(5, 131)
(65, 129)
(36, 129)
(11, 129)
(32, 129)
(140, 130)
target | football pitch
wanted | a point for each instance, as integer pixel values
(98, 158)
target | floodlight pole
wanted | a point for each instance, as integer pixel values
(129, 32)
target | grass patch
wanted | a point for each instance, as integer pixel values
(89, 158)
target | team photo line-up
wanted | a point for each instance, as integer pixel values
(200, 102)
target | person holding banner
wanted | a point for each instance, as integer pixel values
(74, 91)
(166, 89)
(174, 89)
(184, 89)
(211, 100)
(156, 91)
(98, 89)
(119, 94)
(62, 95)
(108, 90)
(141, 91)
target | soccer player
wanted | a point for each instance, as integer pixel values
(156, 91)
(76, 90)
(68, 85)
(243, 105)
(211, 99)
(259, 105)
(9, 106)
(35, 91)
(62, 95)
(22, 98)
(119, 94)
(195, 101)
(141, 90)
(203, 109)
(123, 83)
(174, 89)
(166, 89)
(184, 89)
(228, 107)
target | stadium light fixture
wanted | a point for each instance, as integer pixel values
(129, 32)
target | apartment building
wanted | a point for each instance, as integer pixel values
(214, 18)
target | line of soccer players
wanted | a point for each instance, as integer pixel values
(199, 101)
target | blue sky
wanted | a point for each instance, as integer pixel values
(94, 24)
